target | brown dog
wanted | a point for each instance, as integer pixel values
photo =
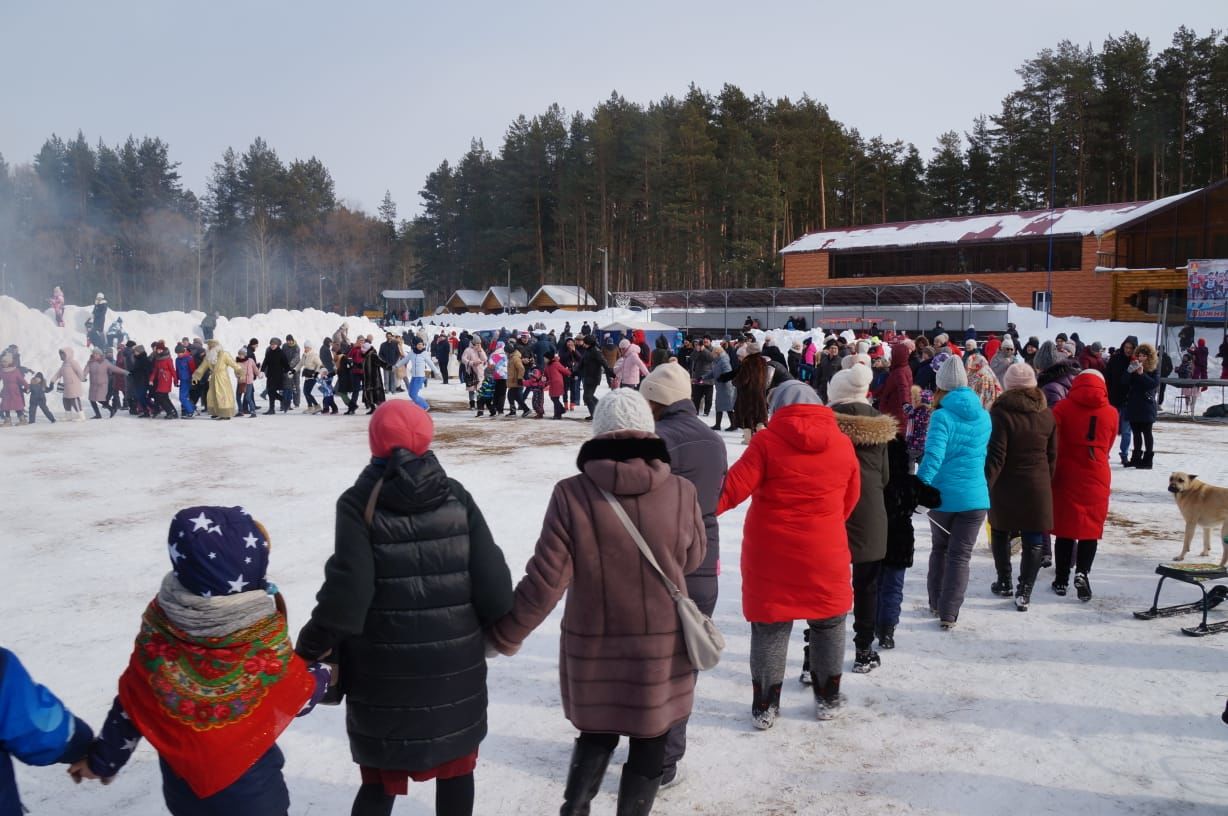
(1201, 505)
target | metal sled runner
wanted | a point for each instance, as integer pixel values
(1199, 575)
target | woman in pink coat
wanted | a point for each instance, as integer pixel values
(12, 391)
(74, 378)
(629, 368)
(98, 371)
(556, 383)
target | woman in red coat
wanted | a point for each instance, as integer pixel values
(803, 477)
(162, 379)
(897, 389)
(1086, 429)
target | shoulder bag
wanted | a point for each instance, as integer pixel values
(704, 642)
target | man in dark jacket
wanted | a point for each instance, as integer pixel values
(294, 355)
(442, 352)
(414, 580)
(390, 352)
(592, 367)
(1115, 378)
(541, 348)
(702, 381)
(828, 365)
(275, 366)
(697, 454)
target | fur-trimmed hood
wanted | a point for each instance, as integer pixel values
(1150, 359)
(865, 427)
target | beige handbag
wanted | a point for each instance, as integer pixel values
(704, 642)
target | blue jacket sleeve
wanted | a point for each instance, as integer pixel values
(35, 726)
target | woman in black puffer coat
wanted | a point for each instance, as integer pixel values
(414, 580)
(1142, 380)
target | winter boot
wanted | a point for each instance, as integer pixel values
(1002, 586)
(1023, 597)
(21, 419)
(805, 678)
(1126, 461)
(886, 637)
(866, 661)
(1136, 459)
(1146, 463)
(828, 701)
(1083, 586)
(7, 423)
(588, 764)
(717, 425)
(473, 401)
(1059, 587)
(765, 707)
(636, 793)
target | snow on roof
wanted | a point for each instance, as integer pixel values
(564, 295)
(520, 298)
(470, 297)
(1094, 220)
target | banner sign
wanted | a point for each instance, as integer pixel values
(1208, 290)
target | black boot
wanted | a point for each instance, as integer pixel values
(1136, 459)
(717, 426)
(1145, 464)
(1023, 597)
(805, 678)
(588, 764)
(886, 637)
(765, 707)
(1125, 461)
(636, 793)
(1000, 546)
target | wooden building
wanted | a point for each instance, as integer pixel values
(465, 300)
(497, 300)
(568, 298)
(1108, 261)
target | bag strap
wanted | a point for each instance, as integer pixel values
(639, 541)
(368, 515)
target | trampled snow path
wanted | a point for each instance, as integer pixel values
(1068, 708)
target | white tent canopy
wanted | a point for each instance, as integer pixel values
(647, 325)
(403, 294)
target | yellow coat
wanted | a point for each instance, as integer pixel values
(221, 397)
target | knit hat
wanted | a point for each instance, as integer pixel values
(752, 347)
(850, 385)
(624, 344)
(938, 359)
(667, 384)
(399, 424)
(1019, 375)
(970, 345)
(623, 409)
(792, 392)
(1090, 371)
(1007, 342)
(951, 375)
(218, 551)
(941, 339)
(850, 360)
(1046, 356)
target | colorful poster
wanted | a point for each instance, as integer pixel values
(1208, 290)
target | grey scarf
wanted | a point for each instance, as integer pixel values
(212, 617)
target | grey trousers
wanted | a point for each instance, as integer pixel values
(769, 648)
(954, 536)
(702, 590)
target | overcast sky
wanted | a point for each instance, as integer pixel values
(382, 92)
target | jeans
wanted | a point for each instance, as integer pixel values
(590, 395)
(571, 386)
(1123, 430)
(247, 398)
(890, 596)
(185, 398)
(390, 380)
(954, 536)
(308, 385)
(701, 393)
(415, 388)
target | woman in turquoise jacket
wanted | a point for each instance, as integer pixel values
(954, 463)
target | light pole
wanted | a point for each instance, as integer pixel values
(321, 285)
(605, 277)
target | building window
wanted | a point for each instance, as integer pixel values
(1041, 301)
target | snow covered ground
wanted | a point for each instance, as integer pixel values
(1068, 708)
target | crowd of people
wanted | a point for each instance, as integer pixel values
(417, 595)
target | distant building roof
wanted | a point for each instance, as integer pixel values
(403, 294)
(561, 295)
(469, 297)
(1063, 221)
(520, 298)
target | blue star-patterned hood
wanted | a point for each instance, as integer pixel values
(218, 551)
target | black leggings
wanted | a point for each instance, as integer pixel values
(646, 757)
(453, 797)
(1142, 436)
(1064, 553)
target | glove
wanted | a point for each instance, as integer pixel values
(927, 496)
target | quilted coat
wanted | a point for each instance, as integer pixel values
(1086, 434)
(955, 446)
(1019, 463)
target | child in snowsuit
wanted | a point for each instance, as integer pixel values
(486, 391)
(35, 727)
(38, 397)
(213, 679)
(918, 410)
(535, 387)
(325, 387)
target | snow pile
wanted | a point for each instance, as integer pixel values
(40, 340)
